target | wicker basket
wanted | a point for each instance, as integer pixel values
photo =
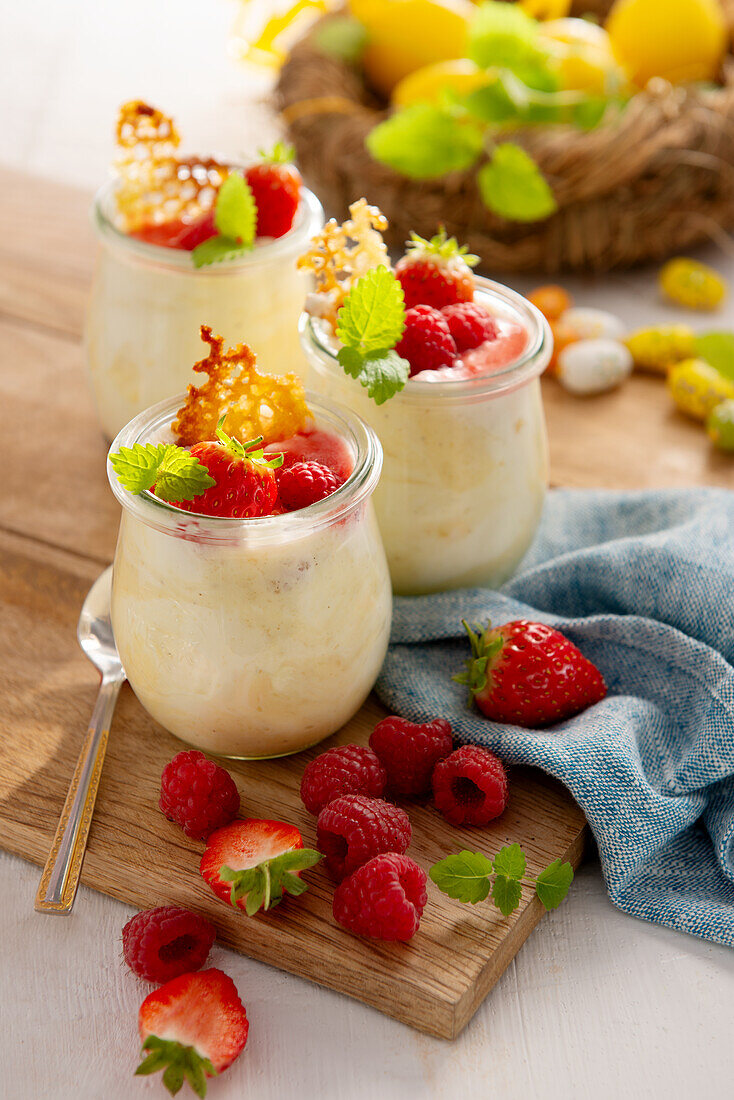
(656, 181)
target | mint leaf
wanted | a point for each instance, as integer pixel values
(425, 141)
(235, 212)
(384, 374)
(217, 249)
(342, 38)
(552, 884)
(352, 361)
(512, 186)
(463, 876)
(717, 349)
(174, 471)
(506, 894)
(510, 861)
(373, 315)
(502, 35)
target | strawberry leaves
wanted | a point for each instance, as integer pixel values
(180, 1063)
(235, 217)
(263, 886)
(468, 877)
(369, 325)
(175, 473)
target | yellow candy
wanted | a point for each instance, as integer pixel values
(692, 284)
(546, 9)
(697, 388)
(427, 85)
(584, 57)
(679, 40)
(656, 349)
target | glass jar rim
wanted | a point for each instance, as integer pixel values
(165, 517)
(531, 363)
(309, 220)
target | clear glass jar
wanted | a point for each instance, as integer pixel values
(253, 637)
(465, 460)
(148, 303)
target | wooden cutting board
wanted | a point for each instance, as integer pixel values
(58, 523)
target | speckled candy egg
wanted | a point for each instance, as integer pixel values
(594, 324)
(593, 366)
(692, 284)
(720, 426)
(655, 349)
(697, 388)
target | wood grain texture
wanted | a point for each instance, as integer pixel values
(435, 983)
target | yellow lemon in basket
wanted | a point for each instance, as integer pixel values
(584, 56)
(680, 40)
(405, 35)
(427, 85)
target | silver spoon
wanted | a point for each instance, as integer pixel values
(60, 878)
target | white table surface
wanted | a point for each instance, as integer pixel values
(596, 1003)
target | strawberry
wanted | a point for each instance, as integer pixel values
(250, 863)
(163, 234)
(192, 1027)
(276, 187)
(437, 272)
(244, 478)
(196, 232)
(528, 674)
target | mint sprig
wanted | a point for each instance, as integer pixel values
(512, 185)
(471, 877)
(263, 886)
(235, 218)
(369, 325)
(425, 141)
(174, 471)
(179, 1062)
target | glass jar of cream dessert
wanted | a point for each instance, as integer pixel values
(164, 265)
(462, 427)
(255, 626)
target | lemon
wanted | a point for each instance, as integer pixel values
(584, 57)
(680, 40)
(406, 35)
(426, 85)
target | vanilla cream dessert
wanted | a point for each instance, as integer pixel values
(465, 451)
(253, 637)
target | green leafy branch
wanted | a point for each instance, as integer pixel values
(369, 325)
(471, 877)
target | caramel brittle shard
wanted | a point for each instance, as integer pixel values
(155, 186)
(273, 406)
(342, 253)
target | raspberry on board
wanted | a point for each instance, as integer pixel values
(383, 899)
(347, 769)
(426, 342)
(198, 794)
(470, 325)
(304, 483)
(159, 944)
(409, 752)
(354, 828)
(470, 786)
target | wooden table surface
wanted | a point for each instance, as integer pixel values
(595, 1003)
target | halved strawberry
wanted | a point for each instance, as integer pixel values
(197, 232)
(192, 1028)
(251, 863)
(437, 272)
(276, 188)
(528, 674)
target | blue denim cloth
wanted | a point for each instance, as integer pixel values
(643, 583)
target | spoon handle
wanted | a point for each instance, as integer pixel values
(60, 878)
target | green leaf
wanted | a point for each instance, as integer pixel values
(506, 894)
(373, 315)
(179, 1063)
(263, 885)
(552, 884)
(384, 374)
(510, 861)
(492, 103)
(293, 884)
(175, 472)
(512, 186)
(342, 38)
(502, 35)
(717, 349)
(217, 249)
(235, 211)
(351, 360)
(173, 1078)
(297, 859)
(425, 141)
(463, 876)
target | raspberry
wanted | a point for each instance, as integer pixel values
(383, 899)
(348, 769)
(427, 342)
(470, 786)
(197, 794)
(470, 325)
(303, 483)
(408, 752)
(354, 828)
(160, 944)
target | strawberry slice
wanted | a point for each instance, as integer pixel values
(192, 1028)
(196, 232)
(251, 863)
